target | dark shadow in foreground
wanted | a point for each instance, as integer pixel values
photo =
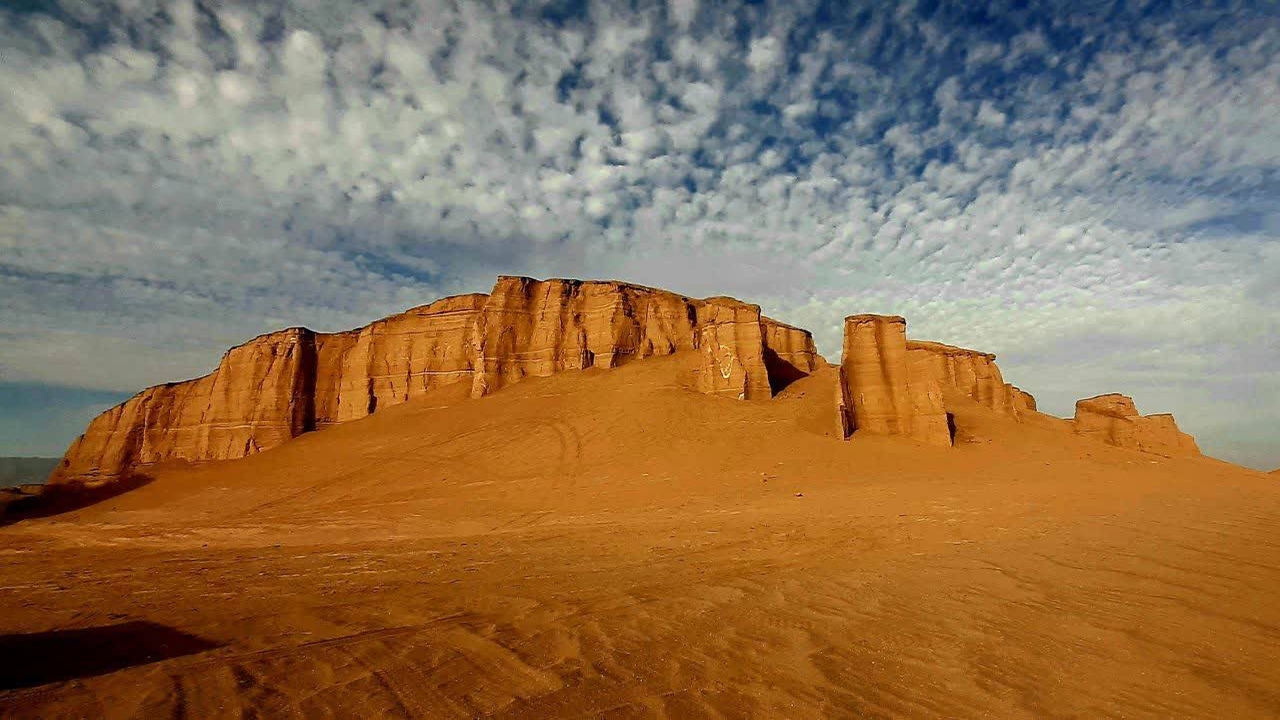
(39, 658)
(63, 498)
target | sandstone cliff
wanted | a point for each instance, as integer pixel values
(537, 328)
(276, 387)
(394, 359)
(879, 393)
(971, 372)
(789, 353)
(1113, 419)
(1023, 401)
(280, 385)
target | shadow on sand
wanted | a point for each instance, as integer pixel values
(781, 373)
(38, 658)
(58, 499)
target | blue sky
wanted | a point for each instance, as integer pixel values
(1091, 190)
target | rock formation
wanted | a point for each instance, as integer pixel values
(893, 386)
(878, 391)
(971, 372)
(537, 328)
(394, 359)
(1023, 401)
(280, 385)
(789, 353)
(1113, 419)
(730, 338)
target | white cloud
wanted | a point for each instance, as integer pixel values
(185, 177)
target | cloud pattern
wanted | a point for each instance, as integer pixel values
(1089, 190)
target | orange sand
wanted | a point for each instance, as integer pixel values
(611, 543)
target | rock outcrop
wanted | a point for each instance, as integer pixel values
(532, 328)
(971, 372)
(276, 387)
(1114, 419)
(394, 359)
(730, 338)
(879, 394)
(280, 385)
(1023, 401)
(789, 353)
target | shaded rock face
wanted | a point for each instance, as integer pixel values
(278, 386)
(789, 353)
(879, 394)
(1114, 419)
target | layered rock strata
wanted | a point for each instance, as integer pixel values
(1114, 419)
(971, 372)
(878, 391)
(278, 386)
(1023, 401)
(789, 353)
(283, 384)
(532, 328)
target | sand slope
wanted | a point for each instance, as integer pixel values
(612, 543)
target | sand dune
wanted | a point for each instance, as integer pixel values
(612, 543)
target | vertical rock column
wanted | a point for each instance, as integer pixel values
(876, 384)
(732, 348)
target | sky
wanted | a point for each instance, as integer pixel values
(1088, 189)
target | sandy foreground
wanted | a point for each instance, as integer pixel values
(608, 543)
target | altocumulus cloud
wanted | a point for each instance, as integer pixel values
(1090, 190)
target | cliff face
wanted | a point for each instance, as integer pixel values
(880, 394)
(971, 372)
(537, 328)
(891, 386)
(731, 340)
(394, 359)
(280, 385)
(276, 387)
(1114, 419)
(283, 384)
(789, 353)
(1023, 401)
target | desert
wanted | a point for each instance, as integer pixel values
(748, 359)
(627, 539)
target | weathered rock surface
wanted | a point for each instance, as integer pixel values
(971, 372)
(532, 328)
(789, 353)
(878, 388)
(280, 385)
(394, 359)
(1023, 401)
(730, 338)
(1114, 419)
(276, 387)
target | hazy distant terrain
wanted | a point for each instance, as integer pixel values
(25, 470)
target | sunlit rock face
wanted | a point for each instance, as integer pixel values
(1114, 419)
(880, 394)
(280, 385)
(532, 328)
(971, 372)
